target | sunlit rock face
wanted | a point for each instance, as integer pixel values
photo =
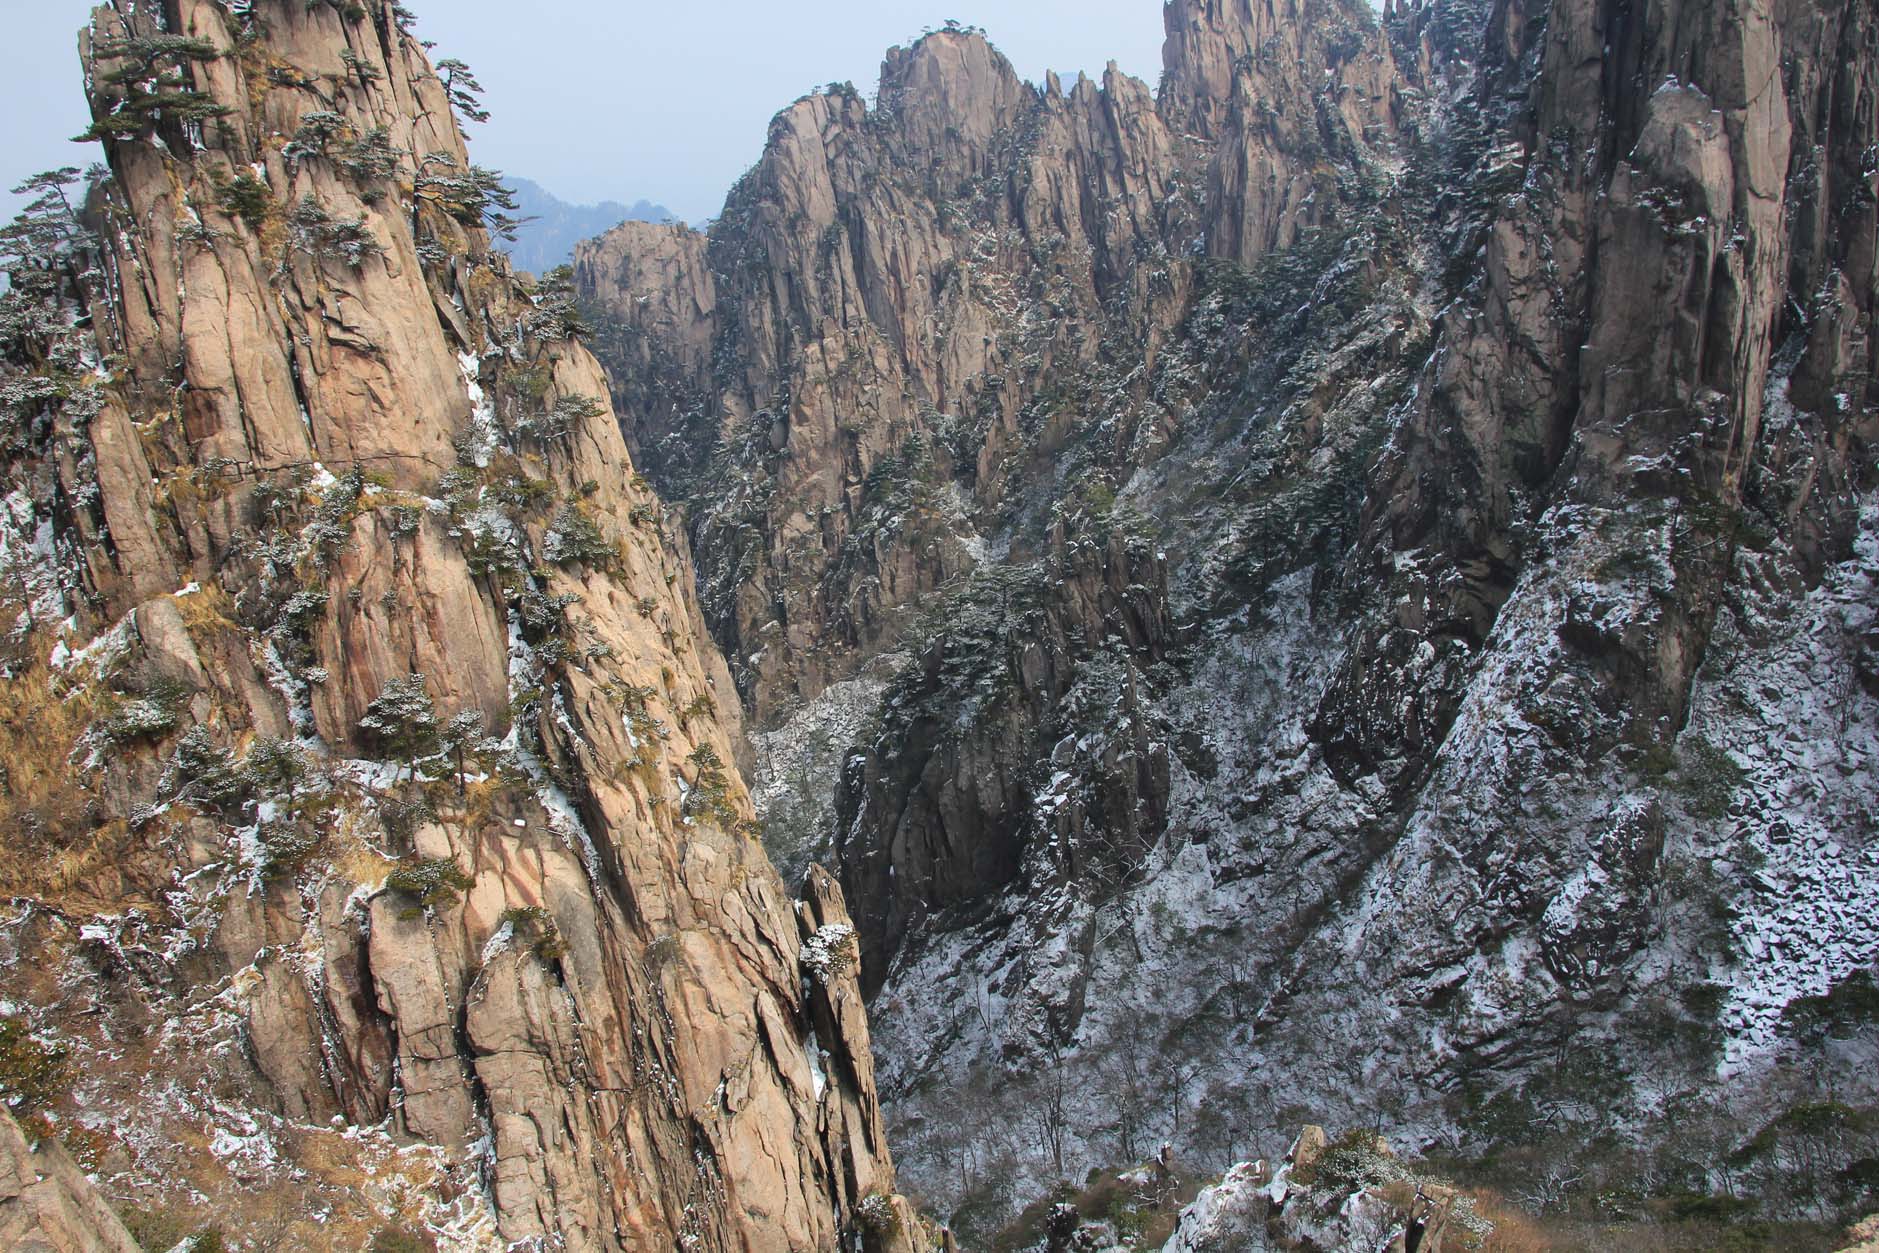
(393, 871)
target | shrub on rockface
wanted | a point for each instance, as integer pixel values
(370, 158)
(1141, 1207)
(559, 422)
(173, 1229)
(557, 314)
(149, 713)
(201, 772)
(461, 736)
(876, 1216)
(1353, 1163)
(536, 927)
(283, 847)
(321, 236)
(402, 1240)
(1850, 1008)
(473, 196)
(709, 794)
(574, 538)
(830, 953)
(432, 882)
(139, 719)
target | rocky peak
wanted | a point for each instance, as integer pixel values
(863, 281)
(949, 95)
(1209, 40)
(902, 244)
(904, 304)
(368, 84)
(1272, 56)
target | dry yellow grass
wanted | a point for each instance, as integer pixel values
(207, 613)
(474, 808)
(350, 856)
(52, 840)
(331, 1180)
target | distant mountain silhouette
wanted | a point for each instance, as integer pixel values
(548, 240)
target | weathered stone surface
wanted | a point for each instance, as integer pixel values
(46, 1203)
(1309, 1147)
(398, 605)
(930, 820)
(861, 297)
(558, 968)
(897, 304)
(1863, 1236)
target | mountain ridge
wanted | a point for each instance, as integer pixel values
(1342, 588)
(550, 227)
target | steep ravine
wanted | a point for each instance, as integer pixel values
(375, 864)
(1361, 564)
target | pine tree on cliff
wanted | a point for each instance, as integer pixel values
(154, 84)
(402, 720)
(466, 94)
(460, 735)
(47, 230)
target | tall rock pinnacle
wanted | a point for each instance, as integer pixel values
(414, 831)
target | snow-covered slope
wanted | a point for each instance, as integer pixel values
(1380, 542)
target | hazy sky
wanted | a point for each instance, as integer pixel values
(618, 99)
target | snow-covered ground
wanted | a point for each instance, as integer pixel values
(1800, 845)
(795, 769)
(1286, 945)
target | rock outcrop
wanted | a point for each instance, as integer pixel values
(402, 843)
(1638, 449)
(1863, 1236)
(931, 820)
(46, 1203)
(895, 297)
(1348, 1195)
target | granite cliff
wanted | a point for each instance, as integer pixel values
(375, 861)
(1345, 587)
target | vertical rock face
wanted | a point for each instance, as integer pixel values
(405, 815)
(1645, 310)
(858, 299)
(870, 287)
(1365, 542)
(1288, 91)
(932, 824)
